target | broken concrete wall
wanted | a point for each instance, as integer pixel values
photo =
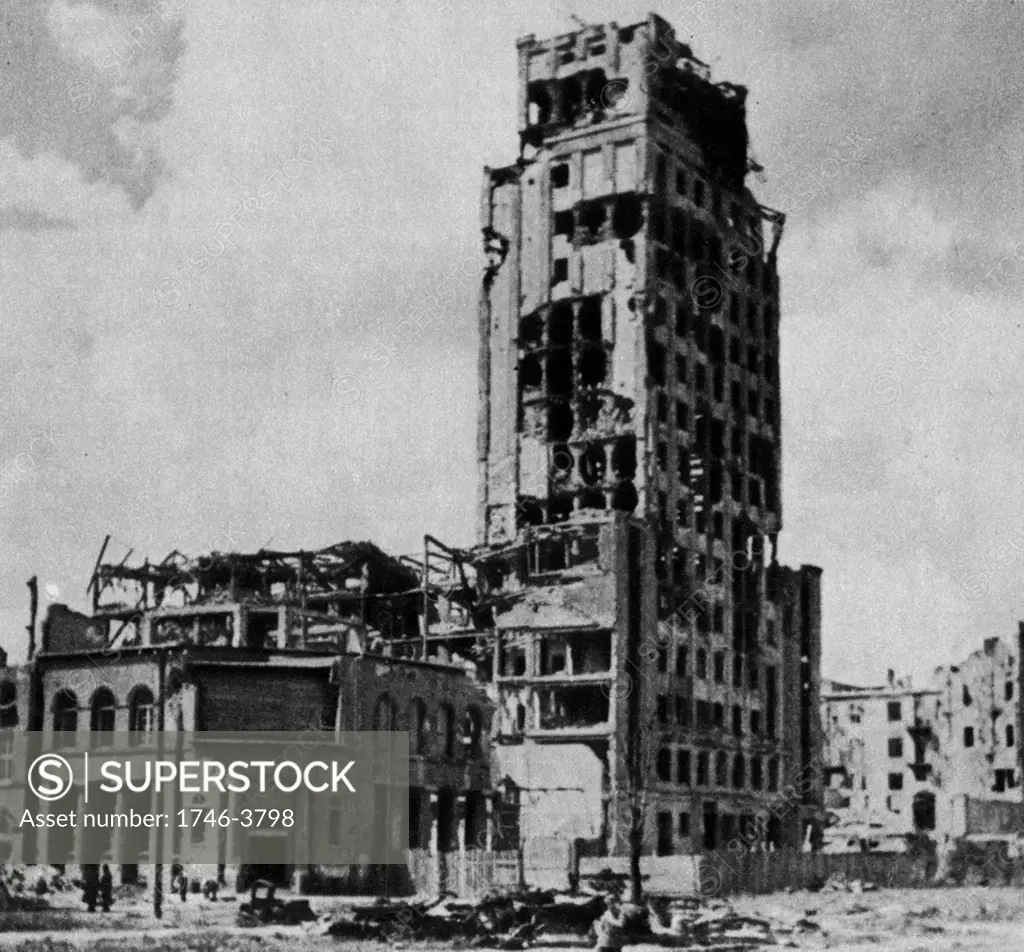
(563, 683)
(499, 318)
(562, 788)
(800, 689)
(977, 724)
(66, 630)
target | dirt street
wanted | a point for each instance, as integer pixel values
(936, 920)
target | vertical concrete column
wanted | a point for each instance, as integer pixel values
(42, 846)
(460, 821)
(78, 849)
(489, 822)
(153, 807)
(282, 628)
(232, 803)
(435, 854)
(218, 802)
(424, 822)
(432, 818)
(189, 700)
(240, 636)
(118, 834)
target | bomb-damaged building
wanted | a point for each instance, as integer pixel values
(622, 633)
(322, 641)
(630, 459)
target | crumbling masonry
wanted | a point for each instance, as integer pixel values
(630, 458)
(645, 655)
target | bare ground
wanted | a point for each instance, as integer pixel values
(920, 920)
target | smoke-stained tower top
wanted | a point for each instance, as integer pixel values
(629, 320)
(606, 74)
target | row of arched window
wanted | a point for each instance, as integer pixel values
(102, 708)
(442, 735)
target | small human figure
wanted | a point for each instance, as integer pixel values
(106, 888)
(90, 885)
(183, 887)
(944, 853)
(609, 927)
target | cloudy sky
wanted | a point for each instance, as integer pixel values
(215, 215)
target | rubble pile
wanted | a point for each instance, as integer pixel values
(841, 884)
(23, 887)
(516, 921)
(693, 921)
(264, 908)
(503, 922)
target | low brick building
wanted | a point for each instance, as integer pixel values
(208, 662)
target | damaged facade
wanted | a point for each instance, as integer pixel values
(317, 641)
(630, 459)
(623, 638)
(879, 755)
(936, 760)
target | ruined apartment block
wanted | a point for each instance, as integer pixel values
(630, 456)
(944, 759)
(977, 727)
(880, 756)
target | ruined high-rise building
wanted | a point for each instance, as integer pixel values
(630, 454)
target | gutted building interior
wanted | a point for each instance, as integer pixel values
(630, 443)
(340, 639)
(350, 596)
(942, 758)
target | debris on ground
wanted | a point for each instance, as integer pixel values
(516, 921)
(23, 887)
(693, 921)
(502, 921)
(263, 908)
(841, 884)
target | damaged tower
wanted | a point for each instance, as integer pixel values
(648, 644)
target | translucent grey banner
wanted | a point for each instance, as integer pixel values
(163, 797)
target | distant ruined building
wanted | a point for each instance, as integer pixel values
(941, 759)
